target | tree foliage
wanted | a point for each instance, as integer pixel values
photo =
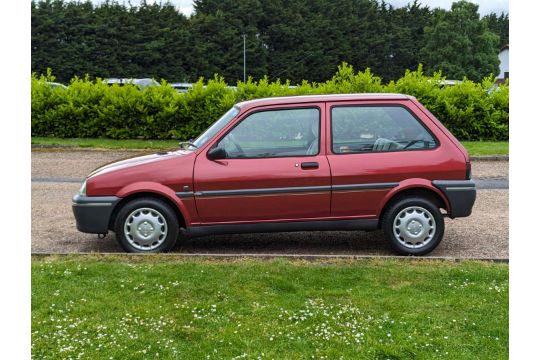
(285, 39)
(499, 24)
(460, 45)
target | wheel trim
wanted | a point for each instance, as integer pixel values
(145, 229)
(414, 227)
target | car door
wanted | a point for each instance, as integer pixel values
(275, 169)
(372, 146)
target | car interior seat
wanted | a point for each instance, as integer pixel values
(382, 144)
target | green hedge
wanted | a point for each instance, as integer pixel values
(471, 111)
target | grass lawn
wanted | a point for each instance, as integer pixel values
(107, 143)
(149, 307)
(475, 148)
(479, 148)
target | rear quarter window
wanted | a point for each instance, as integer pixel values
(368, 128)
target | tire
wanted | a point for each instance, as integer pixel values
(146, 225)
(413, 226)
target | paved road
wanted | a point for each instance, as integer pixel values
(56, 177)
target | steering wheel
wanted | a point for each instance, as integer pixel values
(411, 143)
(236, 145)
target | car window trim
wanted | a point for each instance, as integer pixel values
(331, 120)
(246, 115)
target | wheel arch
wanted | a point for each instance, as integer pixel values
(140, 190)
(414, 187)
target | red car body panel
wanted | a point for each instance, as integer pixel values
(188, 178)
(443, 162)
(240, 174)
(164, 175)
(262, 173)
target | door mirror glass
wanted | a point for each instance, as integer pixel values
(217, 153)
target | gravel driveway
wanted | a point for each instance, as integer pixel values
(482, 235)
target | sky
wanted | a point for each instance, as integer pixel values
(486, 6)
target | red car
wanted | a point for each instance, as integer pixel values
(324, 162)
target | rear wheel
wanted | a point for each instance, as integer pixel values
(146, 225)
(413, 226)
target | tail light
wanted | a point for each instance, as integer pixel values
(468, 170)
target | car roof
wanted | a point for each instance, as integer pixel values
(320, 98)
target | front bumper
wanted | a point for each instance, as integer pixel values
(461, 195)
(93, 213)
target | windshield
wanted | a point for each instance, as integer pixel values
(214, 129)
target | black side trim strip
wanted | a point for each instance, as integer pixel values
(359, 224)
(298, 189)
(263, 191)
(365, 186)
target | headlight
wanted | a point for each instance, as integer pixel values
(82, 190)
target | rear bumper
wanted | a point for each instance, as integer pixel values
(93, 213)
(461, 195)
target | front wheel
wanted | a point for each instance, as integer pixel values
(146, 225)
(413, 226)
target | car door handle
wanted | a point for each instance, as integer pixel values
(310, 165)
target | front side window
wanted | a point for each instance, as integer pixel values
(274, 133)
(377, 128)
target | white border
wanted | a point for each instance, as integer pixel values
(15, 115)
(524, 175)
(15, 176)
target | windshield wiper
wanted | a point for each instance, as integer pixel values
(188, 143)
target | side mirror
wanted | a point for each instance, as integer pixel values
(217, 153)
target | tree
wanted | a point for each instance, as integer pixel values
(499, 25)
(294, 35)
(161, 44)
(110, 40)
(460, 44)
(49, 39)
(406, 38)
(287, 39)
(217, 29)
